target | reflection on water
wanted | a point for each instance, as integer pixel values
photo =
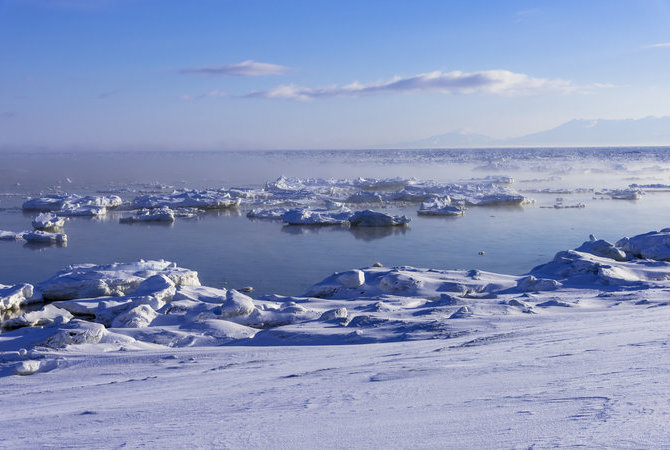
(362, 233)
(373, 233)
(38, 246)
(152, 223)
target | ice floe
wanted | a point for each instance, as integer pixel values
(73, 204)
(48, 222)
(163, 214)
(203, 199)
(325, 216)
(622, 194)
(439, 207)
(309, 216)
(11, 235)
(45, 237)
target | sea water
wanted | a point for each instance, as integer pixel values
(230, 250)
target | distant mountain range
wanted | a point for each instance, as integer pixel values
(579, 132)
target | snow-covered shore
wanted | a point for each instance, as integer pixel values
(574, 352)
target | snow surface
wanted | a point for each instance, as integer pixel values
(139, 354)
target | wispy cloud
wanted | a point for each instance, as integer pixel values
(211, 94)
(246, 68)
(498, 82)
(7, 114)
(660, 45)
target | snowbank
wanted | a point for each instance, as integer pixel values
(158, 303)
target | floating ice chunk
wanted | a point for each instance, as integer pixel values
(369, 218)
(75, 209)
(652, 245)
(270, 214)
(622, 194)
(47, 203)
(308, 216)
(248, 193)
(163, 214)
(531, 283)
(656, 187)
(600, 247)
(352, 279)
(384, 184)
(88, 280)
(108, 201)
(439, 207)
(471, 194)
(48, 221)
(206, 199)
(12, 297)
(11, 235)
(48, 315)
(45, 237)
(495, 179)
(364, 197)
(73, 203)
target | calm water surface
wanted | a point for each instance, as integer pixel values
(228, 249)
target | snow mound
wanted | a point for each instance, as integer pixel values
(48, 315)
(652, 245)
(158, 303)
(12, 297)
(600, 247)
(88, 280)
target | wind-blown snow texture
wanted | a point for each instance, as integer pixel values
(572, 353)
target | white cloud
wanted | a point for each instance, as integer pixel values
(499, 82)
(660, 45)
(246, 68)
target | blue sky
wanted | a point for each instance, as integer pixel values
(208, 75)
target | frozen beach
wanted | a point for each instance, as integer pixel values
(464, 297)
